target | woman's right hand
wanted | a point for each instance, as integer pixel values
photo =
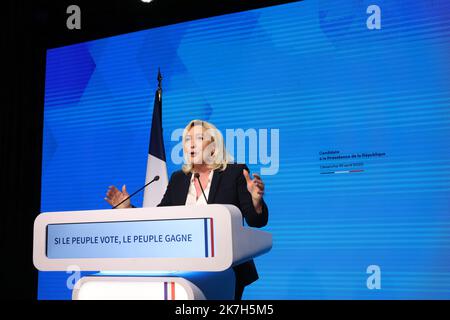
(114, 197)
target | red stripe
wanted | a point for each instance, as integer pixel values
(212, 238)
(173, 290)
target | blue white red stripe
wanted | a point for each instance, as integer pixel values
(209, 237)
(169, 290)
(342, 171)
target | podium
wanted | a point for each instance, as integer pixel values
(155, 253)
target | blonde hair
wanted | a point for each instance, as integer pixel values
(220, 156)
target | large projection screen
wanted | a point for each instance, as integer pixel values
(353, 126)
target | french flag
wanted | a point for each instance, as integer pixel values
(156, 162)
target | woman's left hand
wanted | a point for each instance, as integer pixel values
(256, 189)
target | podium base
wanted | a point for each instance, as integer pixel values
(154, 286)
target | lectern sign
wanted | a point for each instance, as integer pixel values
(175, 238)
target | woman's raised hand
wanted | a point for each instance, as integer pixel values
(114, 196)
(256, 189)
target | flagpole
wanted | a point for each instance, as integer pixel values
(159, 85)
(156, 161)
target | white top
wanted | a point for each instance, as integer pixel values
(191, 198)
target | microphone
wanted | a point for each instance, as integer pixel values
(156, 178)
(197, 176)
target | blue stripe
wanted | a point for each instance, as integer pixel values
(165, 290)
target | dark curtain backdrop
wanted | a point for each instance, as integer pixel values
(20, 144)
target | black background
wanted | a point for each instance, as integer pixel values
(27, 29)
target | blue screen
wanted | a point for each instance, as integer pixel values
(356, 122)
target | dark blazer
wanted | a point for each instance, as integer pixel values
(227, 187)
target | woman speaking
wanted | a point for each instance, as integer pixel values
(207, 177)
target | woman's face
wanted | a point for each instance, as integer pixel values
(197, 145)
